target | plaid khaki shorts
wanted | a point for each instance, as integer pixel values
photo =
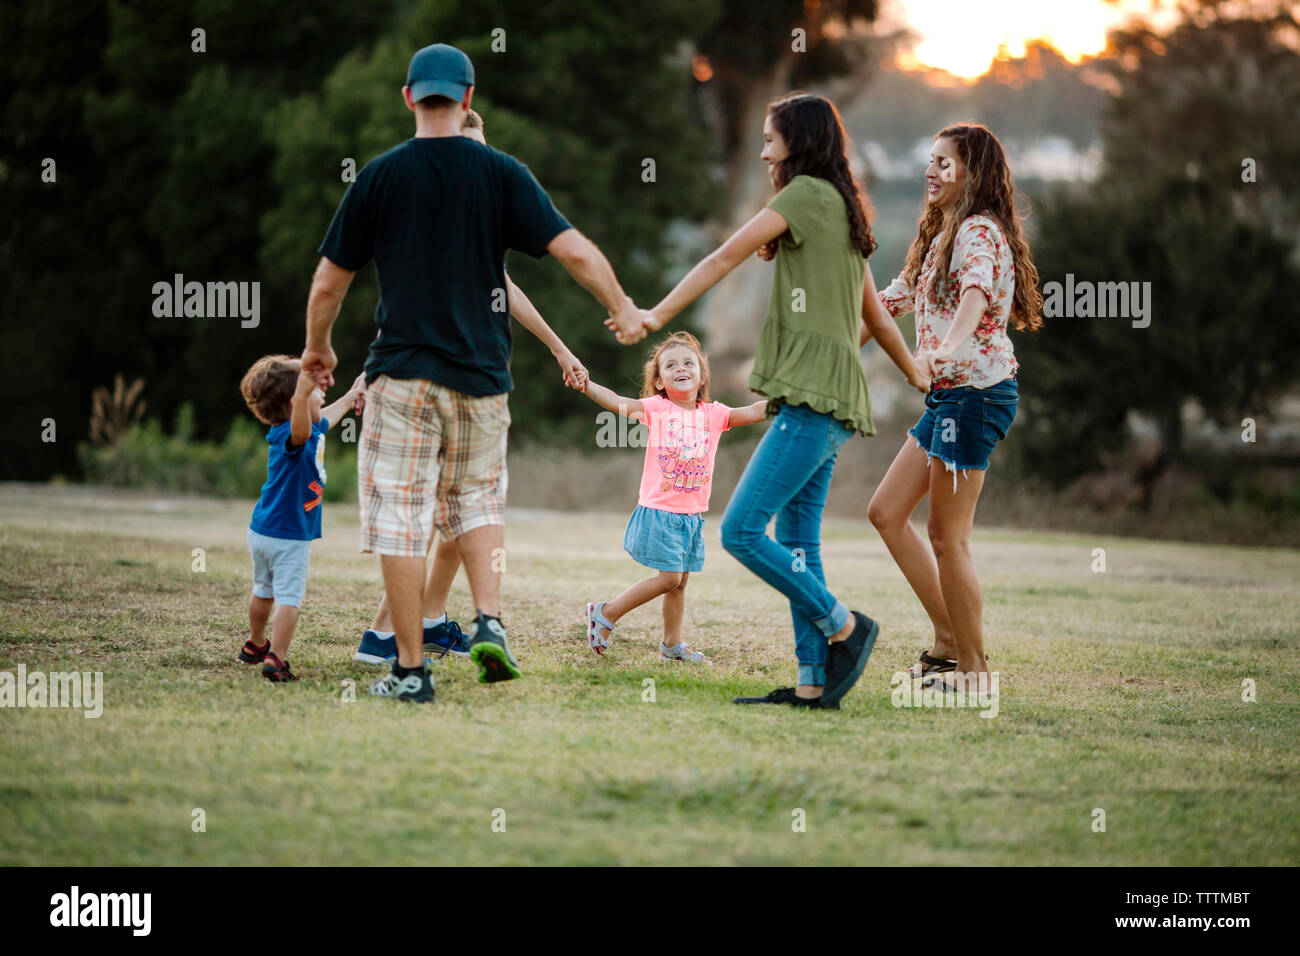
(430, 458)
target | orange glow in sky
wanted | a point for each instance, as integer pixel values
(963, 36)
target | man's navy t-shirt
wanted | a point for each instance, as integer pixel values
(437, 215)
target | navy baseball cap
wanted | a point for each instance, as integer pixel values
(439, 70)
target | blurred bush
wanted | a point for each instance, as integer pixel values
(144, 456)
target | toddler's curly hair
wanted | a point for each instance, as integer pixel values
(268, 387)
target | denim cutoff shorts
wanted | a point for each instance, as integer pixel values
(961, 426)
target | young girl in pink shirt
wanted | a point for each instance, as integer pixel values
(666, 530)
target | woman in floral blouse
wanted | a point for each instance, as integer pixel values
(968, 273)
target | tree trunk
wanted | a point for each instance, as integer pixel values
(1170, 424)
(1171, 432)
(732, 312)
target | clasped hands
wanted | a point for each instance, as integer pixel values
(630, 324)
(931, 362)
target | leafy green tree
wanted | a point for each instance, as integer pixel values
(584, 97)
(753, 51)
(1219, 285)
(162, 167)
(50, 56)
(1218, 90)
(1172, 208)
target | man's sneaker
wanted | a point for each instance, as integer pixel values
(417, 686)
(680, 652)
(276, 670)
(845, 659)
(786, 695)
(448, 638)
(489, 649)
(252, 653)
(375, 649)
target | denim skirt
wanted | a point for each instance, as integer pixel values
(665, 540)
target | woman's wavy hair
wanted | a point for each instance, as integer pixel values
(817, 146)
(651, 370)
(988, 191)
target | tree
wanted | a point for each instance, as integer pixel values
(1219, 89)
(41, 46)
(564, 97)
(1220, 286)
(1171, 208)
(751, 54)
(161, 168)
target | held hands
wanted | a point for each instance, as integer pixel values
(306, 385)
(649, 322)
(320, 363)
(932, 362)
(630, 324)
(575, 374)
(358, 393)
(919, 377)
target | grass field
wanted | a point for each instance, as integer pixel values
(1120, 690)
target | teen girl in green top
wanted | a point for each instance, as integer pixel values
(807, 365)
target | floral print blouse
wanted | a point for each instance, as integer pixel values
(981, 259)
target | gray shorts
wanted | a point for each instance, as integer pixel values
(279, 568)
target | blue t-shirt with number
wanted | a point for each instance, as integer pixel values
(293, 496)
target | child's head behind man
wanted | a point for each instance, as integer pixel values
(472, 126)
(268, 388)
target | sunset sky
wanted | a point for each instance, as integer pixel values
(963, 36)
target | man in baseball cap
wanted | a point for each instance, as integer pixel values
(439, 70)
(436, 214)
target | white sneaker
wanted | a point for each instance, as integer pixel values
(680, 652)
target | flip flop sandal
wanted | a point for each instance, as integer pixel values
(943, 685)
(595, 621)
(932, 665)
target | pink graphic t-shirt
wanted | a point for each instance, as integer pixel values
(680, 453)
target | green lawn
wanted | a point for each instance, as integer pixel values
(1120, 690)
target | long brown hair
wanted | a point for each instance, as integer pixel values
(814, 135)
(989, 191)
(651, 370)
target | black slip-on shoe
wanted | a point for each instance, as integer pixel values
(845, 659)
(786, 695)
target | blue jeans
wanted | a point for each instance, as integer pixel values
(789, 476)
